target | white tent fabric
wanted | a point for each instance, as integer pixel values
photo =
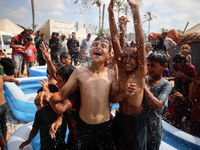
(8, 26)
(196, 28)
(62, 27)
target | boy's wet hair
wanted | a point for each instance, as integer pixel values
(179, 58)
(64, 55)
(104, 39)
(159, 56)
(65, 72)
(52, 88)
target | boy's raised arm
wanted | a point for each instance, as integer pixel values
(51, 68)
(114, 32)
(134, 4)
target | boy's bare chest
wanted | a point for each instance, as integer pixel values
(134, 78)
(95, 82)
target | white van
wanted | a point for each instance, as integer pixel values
(5, 39)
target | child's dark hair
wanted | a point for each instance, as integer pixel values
(65, 71)
(179, 58)
(52, 88)
(104, 39)
(159, 56)
(64, 55)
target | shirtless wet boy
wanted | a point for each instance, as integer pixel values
(129, 127)
(96, 83)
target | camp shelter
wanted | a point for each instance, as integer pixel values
(8, 26)
(62, 27)
(196, 28)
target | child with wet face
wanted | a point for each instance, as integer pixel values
(96, 84)
(157, 91)
(132, 69)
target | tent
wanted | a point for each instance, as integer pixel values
(196, 28)
(82, 34)
(8, 26)
(62, 27)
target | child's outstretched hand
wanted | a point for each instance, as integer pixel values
(44, 50)
(41, 98)
(44, 85)
(134, 3)
(131, 89)
(123, 22)
(23, 145)
(54, 128)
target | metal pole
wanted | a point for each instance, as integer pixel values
(103, 17)
(186, 27)
(33, 13)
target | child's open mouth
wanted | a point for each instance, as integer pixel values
(97, 53)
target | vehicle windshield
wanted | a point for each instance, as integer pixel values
(6, 39)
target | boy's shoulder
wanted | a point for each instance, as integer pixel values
(163, 82)
(166, 81)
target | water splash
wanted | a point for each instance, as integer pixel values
(89, 12)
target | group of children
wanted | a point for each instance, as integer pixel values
(137, 123)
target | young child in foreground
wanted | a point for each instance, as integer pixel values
(43, 119)
(129, 125)
(157, 91)
(3, 112)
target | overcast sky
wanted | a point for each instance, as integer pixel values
(170, 14)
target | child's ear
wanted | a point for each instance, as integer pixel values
(109, 56)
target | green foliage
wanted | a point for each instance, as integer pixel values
(163, 29)
(179, 31)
